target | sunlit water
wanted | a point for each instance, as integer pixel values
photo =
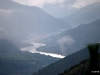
(33, 48)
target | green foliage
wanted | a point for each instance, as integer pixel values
(93, 47)
(94, 57)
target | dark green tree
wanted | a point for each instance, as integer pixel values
(94, 66)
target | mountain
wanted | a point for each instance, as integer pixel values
(8, 48)
(16, 62)
(84, 15)
(25, 21)
(72, 40)
(9, 4)
(64, 64)
(79, 69)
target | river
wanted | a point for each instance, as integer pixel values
(33, 48)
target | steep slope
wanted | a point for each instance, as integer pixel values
(72, 40)
(8, 48)
(9, 4)
(80, 69)
(16, 62)
(63, 64)
(84, 15)
(28, 20)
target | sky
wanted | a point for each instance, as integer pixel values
(72, 3)
(5, 12)
(58, 8)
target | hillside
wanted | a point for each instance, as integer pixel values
(79, 69)
(67, 63)
(16, 62)
(28, 21)
(72, 40)
(84, 15)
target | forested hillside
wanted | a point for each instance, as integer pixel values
(69, 63)
(90, 66)
(16, 62)
(72, 40)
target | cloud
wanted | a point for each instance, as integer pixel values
(70, 3)
(5, 13)
(82, 3)
(39, 3)
(64, 42)
(1, 28)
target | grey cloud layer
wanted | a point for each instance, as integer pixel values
(71, 3)
(65, 41)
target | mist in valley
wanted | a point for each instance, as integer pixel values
(39, 33)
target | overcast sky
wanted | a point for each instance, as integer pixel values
(56, 8)
(41, 3)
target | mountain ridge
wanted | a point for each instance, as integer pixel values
(78, 37)
(14, 61)
(28, 21)
(65, 63)
(61, 65)
(84, 15)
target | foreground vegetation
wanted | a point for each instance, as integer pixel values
(86, 67)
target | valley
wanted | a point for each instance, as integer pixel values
(14, 61)
(73, 40)
(33, 48)
(46, 37)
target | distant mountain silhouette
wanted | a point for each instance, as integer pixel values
(72, 40)
(28, 20)
(84, 15)
(9, 4)
(66, 63)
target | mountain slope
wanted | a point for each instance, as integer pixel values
(16, 62)
(72, 40)
(28, 20)
(84, 15)
(67, 62)
(8, 48)
(64, 64)
(80, 69)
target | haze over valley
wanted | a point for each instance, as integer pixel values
(39, 36)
